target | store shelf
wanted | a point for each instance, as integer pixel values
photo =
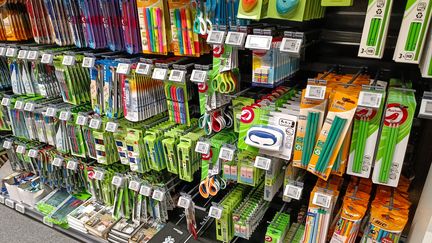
(75, 234)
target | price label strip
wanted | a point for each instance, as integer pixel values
(322, 200)
(315, 92)
(293, 191)
(145, 190)
(215, 212)
(262, 163)
(202, 147)
(369, 99)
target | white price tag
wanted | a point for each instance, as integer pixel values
(199, 76)
(216, 37)
(50, 112)
(45, 221)
(20, 149)
(5, 101)
(292, 191)
(215, 212)
(11, 52)
(291, 45)
(226, 153)
(2, 199)
(99, 175)
(262, 163)
(57, 162)
(29, 106)
(20, 208)
(370, 99)
(315, 92)
(235, 38)
(123, 68)
(134, 185)
(32, 55)
(143, 68)
(33, 153)
(9, 203)
(117, 181)
(68, 60)
(425, 109)
(65, 115)
(22, 54)
(2, 51)
(7, 144)
(95, 123)
(81, 120)
(19, 105)
(322, 200)
(47, 58)
(88, 62)
(259, 42)
(202, 147)
(72, 165)
(177, 75)
(145, 190)
(159, 74)
(183, 202)
(111, 127)
(158, 195)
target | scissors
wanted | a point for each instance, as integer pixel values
(211, 185)
(200, 24)
(205, 123)
(224, 83)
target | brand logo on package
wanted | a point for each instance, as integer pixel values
(396, 114)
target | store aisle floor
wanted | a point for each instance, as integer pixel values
(15, 227)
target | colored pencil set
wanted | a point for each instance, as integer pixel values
(14, 24)
(413, 36)
(374, 31)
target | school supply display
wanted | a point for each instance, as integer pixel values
(413, 31)
(375, 29)
(398, 117)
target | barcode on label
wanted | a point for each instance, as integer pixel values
(215, 37)
(68, 60)
(10, 203)
(117, 181)
(315, 92)
(428, 107)
(183, 202)
(159, 74)
(259, 42)
(134, 185)
(29, 106)
(47, 58)
(145, 190)
(20, 208)
(51, 112)
(64, 115)
(111, 127)
(123, 68)
(7, 144)
(95, 123)
(99, 175)
(33, 153)
(322, 200)
(5, 101)
(19, 105)
(72, 165)
(235, 38)
(81, 120)
(33, 55)
(57, 162)
(202, 147)
(11, 52)
(20, 149)
(158, 195)
(88, 62)
(369, 99)
(143, 68)
(177, 76)
(291, 45)
(293, 191)
(198, 76)
(215, 212)
(262, 163)
(226, 154)
(22, 54)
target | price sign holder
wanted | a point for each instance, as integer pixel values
(160, 74)
(216, 37)
(10, 203)
(203, 146)
(143, 68)
(316, 89)
(293, 190)
(426, 106)
(134, 185)
(20, 208)
(146, 190)
(88, 62)
(262, 163)
(184, 201)
(227, 152)
(47, 58)
(95, 123)
(215, 211)
(158, 194)
(322, 199)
